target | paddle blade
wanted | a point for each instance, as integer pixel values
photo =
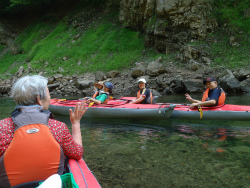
(201, 112)
(90, 104)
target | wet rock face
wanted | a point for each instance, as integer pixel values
(167, 24)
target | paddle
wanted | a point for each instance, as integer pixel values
(201, 112)
(90, 104)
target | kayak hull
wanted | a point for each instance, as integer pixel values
(212, 115)
(82, 175)
(122, 111)
(226, 112)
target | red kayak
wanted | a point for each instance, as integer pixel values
(229, 112)
(115, 109)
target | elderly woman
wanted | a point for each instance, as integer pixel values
(32, 145)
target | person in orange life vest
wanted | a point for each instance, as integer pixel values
(103, 98)
(42, 154)
(143, 94)
(213, 96)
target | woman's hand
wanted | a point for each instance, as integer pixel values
(75, 118)
(79, 111)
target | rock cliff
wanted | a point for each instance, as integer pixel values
(168, 24)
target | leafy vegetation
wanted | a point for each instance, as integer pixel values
(233, 12)
(2, 47)
(104, 46)
(233, 17)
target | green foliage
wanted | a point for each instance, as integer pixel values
(235, 13)
(2, 47)
(229, 56)
(104, 46)
(33, 35)
(10, 63)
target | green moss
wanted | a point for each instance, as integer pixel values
(104, 46)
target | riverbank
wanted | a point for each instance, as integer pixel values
(163, 78)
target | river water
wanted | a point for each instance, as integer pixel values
(173, 153)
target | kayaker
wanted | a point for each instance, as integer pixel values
(213, 96)
(98, 87)
(32, 144)
(143, 95)
(103, 97)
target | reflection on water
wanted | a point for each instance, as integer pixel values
(175, 153)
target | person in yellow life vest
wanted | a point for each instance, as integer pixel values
(103, 97)
(213, 96)
(143, 95)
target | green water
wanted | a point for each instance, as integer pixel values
(174, 153)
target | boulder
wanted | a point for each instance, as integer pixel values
(58, 77)
(99, 75)
(245, 85)
(229, 83)
(83, 83)
(138, 70)
(155, 68)
(193, 86)
(113, 73)
(53, 86)
(176, 86)
(242, 74)
(51, 80)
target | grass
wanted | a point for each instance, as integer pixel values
(233, 57)
(2, 47)
(233, 12)
(106, 45)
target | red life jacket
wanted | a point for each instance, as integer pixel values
(33, 154)
(221, 99)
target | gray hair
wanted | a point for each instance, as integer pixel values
(26, 89)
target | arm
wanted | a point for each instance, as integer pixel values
(188, 97)
(205, 103)
(136, 101)
(6, 134)
(75, 118)
(95, 101)
(63, 136)
(100, 99)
